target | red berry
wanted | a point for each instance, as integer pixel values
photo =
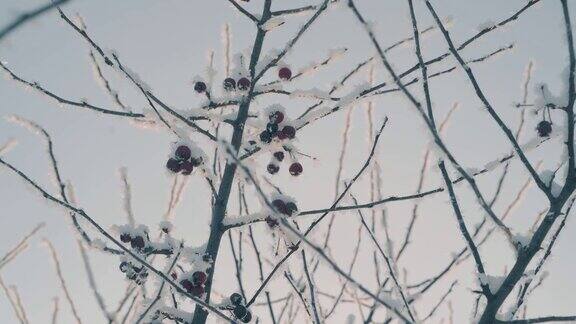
(285, 73)
(236, 299)
(280, 206)
(200, 87)
(243, 84)
(291, 208)
(197, 291)
(276, 117)
(125, 237)
(272, 129)
(247, 318)
(287, 132)
(173, 165)
(198, 278)
(187, 167)
(187, 284)
(137, 242)
(273, 168)
(544, 128)
(239, 311)
(279, 156)
(183, 152)
(265, 137)
(296, 169)
(229, 84)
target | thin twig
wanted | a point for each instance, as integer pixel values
(28, 16)
(63, 285)
(21, 246)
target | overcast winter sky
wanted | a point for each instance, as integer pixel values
(167, 42)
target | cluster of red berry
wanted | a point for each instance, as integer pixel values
(229, 84)
(183, 161)
(277, 128)
(194, 283)
(278, 156)
(134, 272)
(284, 207)
(239, 310)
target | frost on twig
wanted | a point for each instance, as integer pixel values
(242, 137)
(20, 247)
(14, 299)
(62, 281)
(6, 147)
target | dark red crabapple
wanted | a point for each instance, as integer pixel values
(243, 84)
(125, 237)
(544, 128)
(291, 208)
(285, 73)
(183, 152)
(236, 299)
(187, 284)
(296, 169)
(187, 167)
(173, 165)
(137, 242)
(280, 206)
(287, 132)
(276, 117)
(124, 266)
(198, 278)
(279, 156)
(197, 291)
(229, 84)
(247, 318)
(200, 87)
(265, 137)
(272, 128)
(273, 168)
(240, 311)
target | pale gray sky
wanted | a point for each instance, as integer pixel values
(166, 42)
